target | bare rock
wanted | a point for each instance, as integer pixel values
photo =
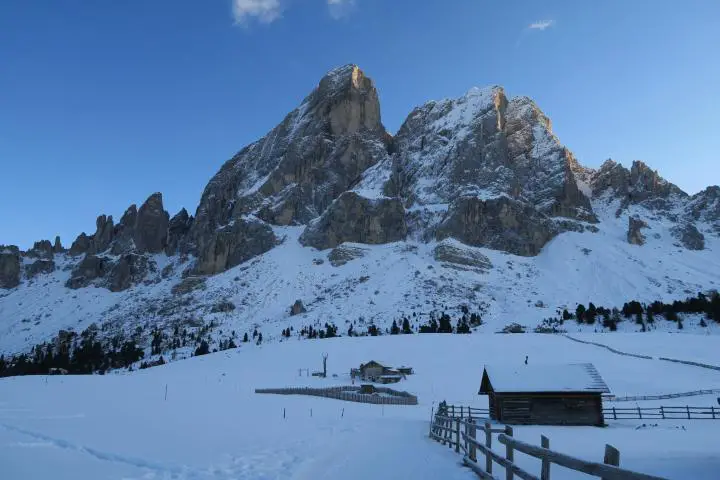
(57, 246)
(634, 234)
(81, 245)
(353, 218)
(188, 284)
(38, 267)
(689, 236)
(151, 226)
(499, 223)
(129, 270)
(453, 252)
(42, 249)
(343, 254)
(104, 233)
(232, 245)
(178, 229)
(9, 266)
(91, 268)
(297, 308)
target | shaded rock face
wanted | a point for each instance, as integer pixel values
(353, 218)
(42, 249)
(450, 252)
(9, 266)
(104, 231)
(499, 223)
(178, 229)
(151, 226)
(485, 145)
(689, 236)
(236, 243)
(297, 308)
(57, 246)
(634, 234)
(81, 245)
(187, 285)
(89, 269)
(639, 185)
(296, 171)
(343, 254)
(129, 270)
(705, 207)
(39, 267)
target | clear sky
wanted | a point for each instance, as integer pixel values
(103, 103)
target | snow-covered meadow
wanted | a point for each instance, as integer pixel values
(213, 426)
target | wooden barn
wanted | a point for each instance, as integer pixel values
(544, 394)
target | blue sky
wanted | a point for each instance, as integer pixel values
(103, 103)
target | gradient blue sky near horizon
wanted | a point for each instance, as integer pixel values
(104, 103)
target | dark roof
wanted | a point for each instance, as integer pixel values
(574, 377)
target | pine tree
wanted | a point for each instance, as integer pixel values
(259, 340)
(580, 313)
(203, 349)
(406, 326)
(649, 316)
(566, 315)
(394, 330)
(350, 331)
(245, 338)
(445, 325)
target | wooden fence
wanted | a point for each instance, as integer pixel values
(615, 413)
(694, 364)
(462, 435)
(627, 354)
(666, 396)
(349, 394)
(666, 413)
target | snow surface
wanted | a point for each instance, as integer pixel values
(212, 425)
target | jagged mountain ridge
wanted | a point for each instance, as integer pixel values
(483, 169)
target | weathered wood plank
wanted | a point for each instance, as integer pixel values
(545, 468)
(590, 468)
(477, 469)
(612, 457)
(504, 462)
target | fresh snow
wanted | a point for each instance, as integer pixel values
(569, 377)
(213, 425)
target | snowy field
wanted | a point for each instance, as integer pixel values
(213, 426)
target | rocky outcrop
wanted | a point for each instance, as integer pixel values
(638, 185)
(85, 273)
(129, 270)
(296, 171)
(233, 244)
(500, 223)
(39, 267)
(705, 207)
(452, 252)
(9, 266)
(104, 233)
(297, 308)
(151, 226)
(42, 249)
(689, 236)
(485, 145)
(343, 254)
(634, 234)
(178, 229)
(353, 218)
(81, 245)
(188, 285)
(57, 246)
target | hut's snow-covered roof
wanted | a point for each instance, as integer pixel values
(574, 377)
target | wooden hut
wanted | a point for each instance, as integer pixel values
(544, 394)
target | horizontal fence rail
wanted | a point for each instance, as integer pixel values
(694, 364)
(665, 396)
(666, 413)
(469, 437)
(613, 350)
(349, 394)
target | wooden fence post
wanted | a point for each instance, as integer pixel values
(488, 444)
(639, 412)
(688, 411)
(471, 433)
(432, 420)
(662, 411)
(614, 414)
(545, 470)
(509, 454)
(713, 412)
(457, 435)
(612, 456)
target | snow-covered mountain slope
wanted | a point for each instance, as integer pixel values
(199, 419)
(474, 205)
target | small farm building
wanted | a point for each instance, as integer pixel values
(568, 394)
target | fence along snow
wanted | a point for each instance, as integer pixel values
(446, 429)
(349, 394)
